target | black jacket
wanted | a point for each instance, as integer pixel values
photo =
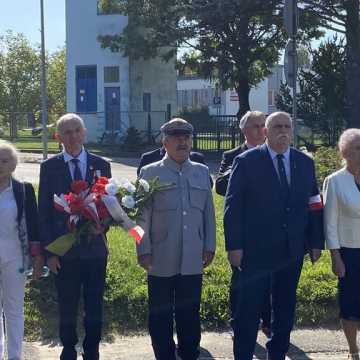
(29, 206)
(223, 176)
(257, 218)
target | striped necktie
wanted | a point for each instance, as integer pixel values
(77, 173)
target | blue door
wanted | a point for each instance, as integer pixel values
(112, 109)
(86, 89)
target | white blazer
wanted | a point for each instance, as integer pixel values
(341, 210)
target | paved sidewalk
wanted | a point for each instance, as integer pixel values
(307, 345)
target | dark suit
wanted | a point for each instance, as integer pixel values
(156, 155)
(84, 266)
(273, 231)
(223, 176)
(221, 184)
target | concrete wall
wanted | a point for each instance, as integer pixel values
(83, 26)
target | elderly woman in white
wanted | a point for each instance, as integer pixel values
(342, 231)
(18, 243)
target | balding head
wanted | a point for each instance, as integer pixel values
(278, 131)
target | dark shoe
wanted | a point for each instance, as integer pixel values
(268, 357)
(68, 353)
(92, 356)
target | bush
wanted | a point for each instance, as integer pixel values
(327, 160)
(132, 139)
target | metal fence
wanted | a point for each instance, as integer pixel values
(17, 125)
(109, 128)
(217, 133)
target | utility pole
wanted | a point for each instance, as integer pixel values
(290, 63)
(43, 86)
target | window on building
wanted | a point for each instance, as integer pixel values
(271, 98)
(111, 74)
(108, 7)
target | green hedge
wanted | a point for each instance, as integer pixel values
(126, 290)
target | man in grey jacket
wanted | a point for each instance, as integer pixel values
(179, 242)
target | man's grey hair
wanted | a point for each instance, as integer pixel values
(345, 140)
(249, 115)
(8, 146)
(66, 118)
(274, 115)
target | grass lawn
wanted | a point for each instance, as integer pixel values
(126, 291)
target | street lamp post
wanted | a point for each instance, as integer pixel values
(291, 25)
(43, 86)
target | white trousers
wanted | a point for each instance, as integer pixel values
(12, 291)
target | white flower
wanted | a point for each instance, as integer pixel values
(128, 201)
(113, 181)
(145, 185)
(112, 188)
(130, 188)
(127, 185)
(124, 183)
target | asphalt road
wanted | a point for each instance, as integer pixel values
(306, 345)
(29, 168)
(29, 171)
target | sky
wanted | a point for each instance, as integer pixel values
(24, 16)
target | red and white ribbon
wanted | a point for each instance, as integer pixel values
(315, 202)
(120, 216)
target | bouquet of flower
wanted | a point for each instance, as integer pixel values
(92, 209)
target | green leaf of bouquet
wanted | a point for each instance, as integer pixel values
(62, 244)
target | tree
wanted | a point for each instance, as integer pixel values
(56, 84)
(342, 16)
(19, 81)
(19, 74)
(321, 100)
(235, 41)
(303, 57)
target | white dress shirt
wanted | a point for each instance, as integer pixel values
(341, 210)
(82, 162)
(286, 160)
(9, 236)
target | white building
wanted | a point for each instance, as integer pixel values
(195, 93)
(112, 92)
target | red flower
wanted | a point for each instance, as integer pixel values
(102, 180)
(78, 186)
(101, 209)
(98, 189)
(76, 203)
